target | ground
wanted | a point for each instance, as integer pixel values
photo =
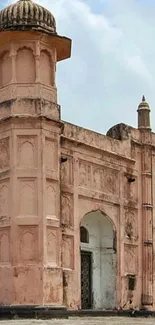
(84, 321)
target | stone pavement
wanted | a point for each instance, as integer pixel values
(84, 321)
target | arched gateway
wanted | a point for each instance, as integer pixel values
(98, 261)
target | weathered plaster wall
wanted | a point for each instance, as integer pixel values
(30, 236)
(96, 176)
(97, 173)
(97, 140)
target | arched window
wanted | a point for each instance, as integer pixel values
(84, 235)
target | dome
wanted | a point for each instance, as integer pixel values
(143, 104)
(27, 15)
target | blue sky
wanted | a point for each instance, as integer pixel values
(113, 60)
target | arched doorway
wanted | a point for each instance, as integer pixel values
(98, 261)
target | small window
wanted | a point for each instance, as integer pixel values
(84, 235)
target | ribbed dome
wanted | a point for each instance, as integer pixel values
(27, 15)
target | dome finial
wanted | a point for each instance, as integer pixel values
(143, 104)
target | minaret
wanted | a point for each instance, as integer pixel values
(30, 128)
(147, 206)
(144, 115)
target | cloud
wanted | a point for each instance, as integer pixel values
(112, 62)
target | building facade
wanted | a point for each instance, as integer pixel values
(76, 207)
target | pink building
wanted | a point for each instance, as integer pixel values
(76, 207)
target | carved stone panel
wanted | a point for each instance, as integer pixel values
(4, 200)
(53, 246)
(27, 197)
(99, 178)
(51, 199)
(67, 171)
(27, 151)
(106, 180)
(5, 245)
(51, 154)
(68, 252)
(28, 244)
(130, 259)
(131, 224)
(84, 174)
(5, 154)
(67, 210)
(111, 184)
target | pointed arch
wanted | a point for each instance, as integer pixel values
(100, 250)
(26, 155)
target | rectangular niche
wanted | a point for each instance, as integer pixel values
(130, 224)
(52, 199)
(28, 244)
(68, 252)
(27, 151)
(53, 246)
(51, 154)
(67, 210)
(5, 154)
(67, 170)
(131, 259)
(27, 197)
(105, 180)
(130, 187)
(5, 245)
(5, 200)
(85, 175)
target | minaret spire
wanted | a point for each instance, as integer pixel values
(144, 115)
(143, 99)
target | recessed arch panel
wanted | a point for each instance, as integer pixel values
(5, 69)
(46, 70)
(25, 66)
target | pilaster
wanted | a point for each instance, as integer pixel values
(147, 219)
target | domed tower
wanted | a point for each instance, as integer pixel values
(30, 128)
(144, 115)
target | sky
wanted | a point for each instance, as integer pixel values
(113, 60)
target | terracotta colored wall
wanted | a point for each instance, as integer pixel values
(30, 235)
(44, 198)
(95, 177)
